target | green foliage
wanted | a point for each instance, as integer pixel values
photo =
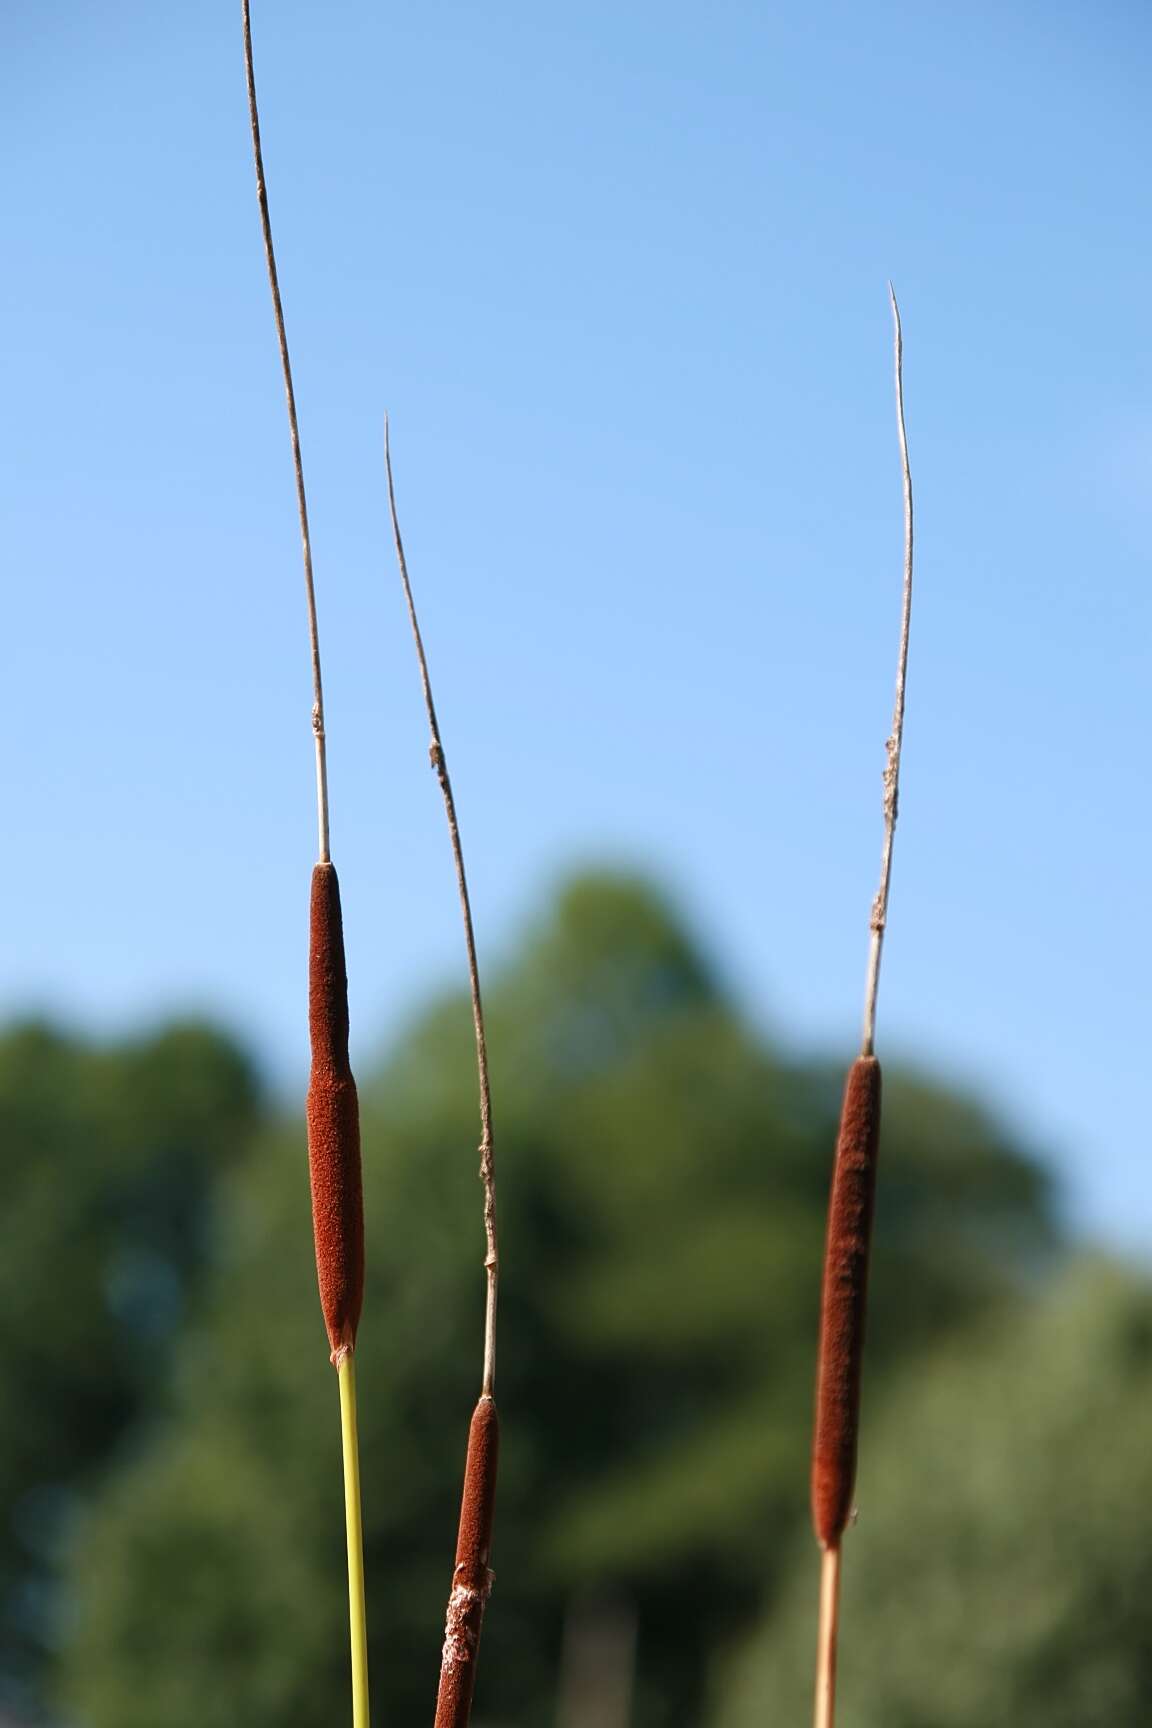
(111, 1157)
(664, 1176)
(1001, 1570)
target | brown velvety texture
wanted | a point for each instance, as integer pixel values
(471, 1580)
(333, 1121)
(843, 1304)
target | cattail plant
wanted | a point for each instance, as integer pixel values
(471, 1575)
(332, 1107)
(848, 1245)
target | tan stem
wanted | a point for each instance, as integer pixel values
(895, 743)
(827, 1637)
(440, 765)
(297, 459)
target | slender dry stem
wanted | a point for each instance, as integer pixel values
(827, 1638)
(294, 428)
(440, 764)
(896, 736)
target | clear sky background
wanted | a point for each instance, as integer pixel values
(618, 273)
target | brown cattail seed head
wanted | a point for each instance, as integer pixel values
(843, 1303)
(333, 1121)
(471, 1580)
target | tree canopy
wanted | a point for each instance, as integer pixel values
(112, 1159)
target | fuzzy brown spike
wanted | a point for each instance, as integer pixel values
(843, 1302)
(471, 1580)
(333, 1122)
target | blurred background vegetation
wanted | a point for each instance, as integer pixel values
(171, 1550)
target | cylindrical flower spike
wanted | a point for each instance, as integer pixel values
(843, 1302)
(471, 1579)
(333, 1122)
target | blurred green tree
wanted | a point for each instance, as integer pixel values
(1001, 1570)
(663, 1182)
(111, 1158)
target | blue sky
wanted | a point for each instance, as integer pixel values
(618, 274)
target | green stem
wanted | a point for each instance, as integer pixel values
(356, 1616)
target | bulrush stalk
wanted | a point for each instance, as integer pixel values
(845, 1295)
(471, 1578)
(333, 1123)
(849, 1238)
(332, 1108)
